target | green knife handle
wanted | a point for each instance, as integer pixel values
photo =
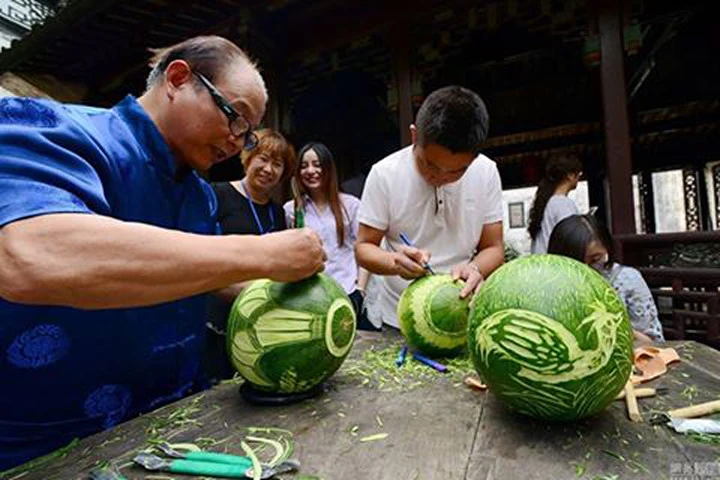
(299, 218)
(219, 458)
(207, 468)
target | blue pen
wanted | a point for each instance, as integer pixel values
(430, 362)
(401, 356)
(407, 242)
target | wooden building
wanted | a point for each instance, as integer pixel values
(631, 86)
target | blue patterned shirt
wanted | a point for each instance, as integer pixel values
(64, 372)
(635, 294)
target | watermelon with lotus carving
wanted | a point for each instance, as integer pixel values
(290, 337)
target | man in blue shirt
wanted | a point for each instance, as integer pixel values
(107, 243)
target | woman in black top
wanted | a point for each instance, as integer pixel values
(245, 207)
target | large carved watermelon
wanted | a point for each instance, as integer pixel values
(432, 317)
(551, 338)
(289, 337)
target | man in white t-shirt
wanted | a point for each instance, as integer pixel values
(443, 194)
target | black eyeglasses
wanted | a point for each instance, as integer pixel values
(239, 126)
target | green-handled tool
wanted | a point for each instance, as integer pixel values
(298, 210)
(299, 218)
(203, 456)
(211, 464)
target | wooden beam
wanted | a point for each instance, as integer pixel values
(716, 188)
(401, 57)
(647, 202)
(42, 86)
(20, 87)
(270, 50)
(616, 125)
(703, 197)
(346, 21)
(67, 20)
(560, 131)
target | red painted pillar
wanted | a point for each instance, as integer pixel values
(617, 132)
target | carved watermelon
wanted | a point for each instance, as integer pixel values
(289, 337)
(551, 338)
(432, 316)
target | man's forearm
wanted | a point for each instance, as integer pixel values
(90, 261)
(489, 259)
(230, 293)
(374, 259)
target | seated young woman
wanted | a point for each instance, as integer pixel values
(581, 237)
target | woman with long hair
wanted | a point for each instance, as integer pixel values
(551, 203)
(581, 237)
(334, 217)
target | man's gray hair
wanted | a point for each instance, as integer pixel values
(210, 55)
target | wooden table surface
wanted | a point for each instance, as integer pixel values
(436, 429)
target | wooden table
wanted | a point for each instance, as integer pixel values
(440, 429)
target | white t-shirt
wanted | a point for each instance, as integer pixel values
(557, 208)
(447, 221)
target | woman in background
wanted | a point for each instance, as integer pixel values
(332, 215)
(581, 237)
(551, 203)
(245, 207)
